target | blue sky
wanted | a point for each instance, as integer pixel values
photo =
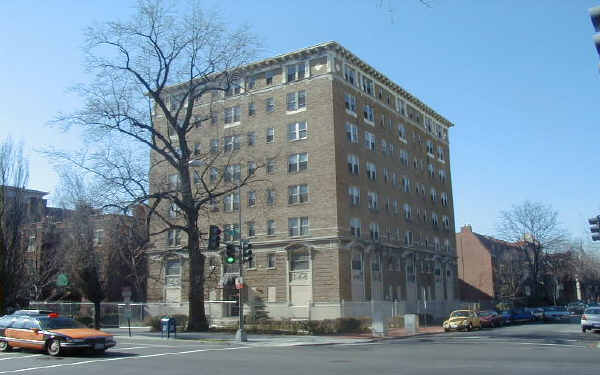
(519, 79)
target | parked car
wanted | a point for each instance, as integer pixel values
(490, 318)
(51, 333)
(506, 316)
(553, 313)
(537, 312)
(462, 319)
(576, 308)
(521, 316)
(590, 319)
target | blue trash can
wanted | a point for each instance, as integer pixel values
(168, 325)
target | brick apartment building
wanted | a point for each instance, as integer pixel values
(488, 268)
(355, 199)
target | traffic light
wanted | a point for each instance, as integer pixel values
(230, 253)
(248, 252)
(214, 237)
(595, 17)
(595, 228)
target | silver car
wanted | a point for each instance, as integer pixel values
(590, 319)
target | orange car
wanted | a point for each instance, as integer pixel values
(51, 333)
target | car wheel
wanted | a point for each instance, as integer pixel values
(583, 329)
(4, 347)
(53, 347)
(446, 330)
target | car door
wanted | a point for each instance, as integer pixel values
(13, 332)
(476, 320)
(31, 334)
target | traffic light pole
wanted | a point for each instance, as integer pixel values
(241, 334)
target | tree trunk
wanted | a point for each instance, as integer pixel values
(97, 315)
(197, 315)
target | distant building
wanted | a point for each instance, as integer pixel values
(488, 268)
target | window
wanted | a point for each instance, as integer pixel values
(251, 168)
(386, 175)
(232, 115)
(356, 262)
(270, 135)
(349, 74)
(370, 141)
(298, 226)
(214, 118)
(429, 148)
(444, 199)
(408, 238)
(446, 222)
(354, 194)
(350, 103)
(174, 237)
(355, 227)
(297, 194)
(231, 232)
(407, 211)
(251, 198)
(232, 173)
(391, 149)
(234, 88)
(442, 175)
(406, 184)
(297, 131)
(384, 148)
(436, 244)
(395, 207)
(353, 164)
(250, 82)
(214, 174)
(196, 148)
(214, 204)
(394, 179)
(296, 100)
(387, 205)
(271, 260)
(433, 194)
(372, 198)
(441, 153)
(446, 245)
(434, 219)
(300, 260)
(374, 232)
(270, 197)
(231, 143)
(401, 106)
(251, 109)
(403, 155)
(173, 272)
(269, 104)
(269, 78)
(351, 133)
(367, 85)
(174, 182)
(231, 202)
(251, 138)
(271, 227)
(251, 229)
(369, 114)
(98, 237)
(431, 170)
(214, 145)
(371, 171)
(295, 72)
(298, 162)
(174, 210)
(270, 166)
(401, 132)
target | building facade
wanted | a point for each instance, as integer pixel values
(354, 197)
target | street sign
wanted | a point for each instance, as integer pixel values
(62, 280)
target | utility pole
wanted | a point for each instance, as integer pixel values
(241, 334)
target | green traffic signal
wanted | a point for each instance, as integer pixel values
(230, 260)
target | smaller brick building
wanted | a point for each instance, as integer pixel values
(488, 268)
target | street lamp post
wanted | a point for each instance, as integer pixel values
(240, 333)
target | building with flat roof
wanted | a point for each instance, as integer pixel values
(354, 198)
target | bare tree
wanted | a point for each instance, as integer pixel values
(510, 274)
(152, 72)
(535, 228)
(43, 262)
(14, 173)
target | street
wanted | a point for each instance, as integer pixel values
(521, 349)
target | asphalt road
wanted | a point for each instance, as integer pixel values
(524, 349)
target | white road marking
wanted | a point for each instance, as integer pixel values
(118, 359)
(20, 356)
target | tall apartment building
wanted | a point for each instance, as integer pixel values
(355, 202)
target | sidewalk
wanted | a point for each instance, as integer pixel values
(270, 340)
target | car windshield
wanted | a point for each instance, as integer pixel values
(487, 313)
(592, 311)
(60, 323)
(459, 314)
